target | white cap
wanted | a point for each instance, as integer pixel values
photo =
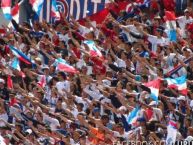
(191, 104)
(152, 103)
(2, 81)
(45, 67)
(181, 98)
(29, 131)
(173, 100)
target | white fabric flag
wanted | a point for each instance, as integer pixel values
(171, 135)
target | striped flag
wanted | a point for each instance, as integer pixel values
(170, 19)
(54, 11)
(15, 11)
(20, 55)
(37, 5)
(94, 51)
(62, 65)
(154, 87)
(45, 13)
(178, 83)
(15, 65)
(171, 135)
(6, 8)
(132, 118)
(42, 81)
(178, 67)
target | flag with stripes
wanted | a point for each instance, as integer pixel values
(79, 8)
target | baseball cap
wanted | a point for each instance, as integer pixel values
(96, 110)
(181, 98)
(2, 81)
(152, 103)
(186, 10)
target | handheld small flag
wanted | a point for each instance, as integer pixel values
(154, 87)
(6, 8)
(20, 55)
(178, 83)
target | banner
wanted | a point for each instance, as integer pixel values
(77, 8)
(171, 135)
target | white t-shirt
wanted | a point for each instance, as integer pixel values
(121, 63)
(80, 100)
(154, 40)
(83, 30)
(157, 114)
(63, 85)
(125, 135)
(182, 21)
(52, 122)
(64, 38)
(3, 117)
(133, 29)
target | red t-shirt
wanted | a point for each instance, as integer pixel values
(76, 52)
(98, 66)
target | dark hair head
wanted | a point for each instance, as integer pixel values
(62, 74)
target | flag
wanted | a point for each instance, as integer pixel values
(15, 11)
(62, 65)
(6, 8)
(170, 16)
(42, 81)
(20, 55)
(79, 9)
(178, 83)
(170, 19)
(54, 11)
(94, 51)
(171, 135)
(97, 18)
(178, 67)
(132, 118)
(37, 5)
(9, 82)
(154, 87)
(15, 65)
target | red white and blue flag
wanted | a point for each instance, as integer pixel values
(62, 65)
(178, 83)
(15, 65)
(170, 19)
(178, 67)
(15, 11)
(42, 81)
(37, 5)
(20, 55)
(154, 86)
(94, 51)
(54, 11)
(133, 116)
(6, 8)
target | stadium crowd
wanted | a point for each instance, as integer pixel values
(98, 95)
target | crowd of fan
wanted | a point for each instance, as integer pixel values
(93, 105)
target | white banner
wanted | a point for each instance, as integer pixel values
(171, 135)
